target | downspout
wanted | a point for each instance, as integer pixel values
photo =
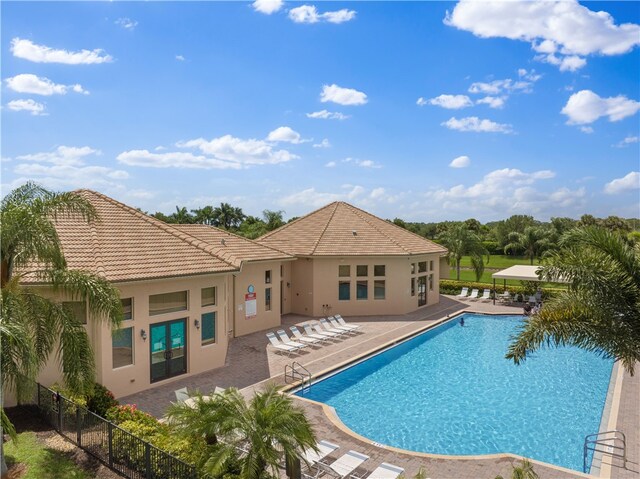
(233, 303)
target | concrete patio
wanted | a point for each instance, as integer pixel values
(251, 363)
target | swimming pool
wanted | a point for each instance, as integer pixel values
(451, 391)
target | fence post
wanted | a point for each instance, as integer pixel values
(147, 460)
(110, 438)
(59, 401)
(79, 426)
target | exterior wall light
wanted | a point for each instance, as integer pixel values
(143, 334)
(196, 323)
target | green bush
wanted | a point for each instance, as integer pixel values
(452, 287)
(101, 400)
(74, 398)
(129, 412)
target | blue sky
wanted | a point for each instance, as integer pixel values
(426, 111)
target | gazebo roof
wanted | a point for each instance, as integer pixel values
(519, 271)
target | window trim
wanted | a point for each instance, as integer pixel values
(172, 310)
(215, 297)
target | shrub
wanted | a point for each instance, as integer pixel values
(74, 398)
(129, 412)
(101, 400)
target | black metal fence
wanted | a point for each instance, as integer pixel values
(120, 450)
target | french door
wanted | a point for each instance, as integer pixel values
(168, 347)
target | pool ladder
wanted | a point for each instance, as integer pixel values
(297, 372)
(612, 443)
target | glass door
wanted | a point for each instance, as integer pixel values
(168, 349)
(422, 290)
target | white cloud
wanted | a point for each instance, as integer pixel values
(331, 164)
(563, 31)
(492, 101)
(309, 14)
(586, 129)
(29, 83)
(473, 123)
(180, 58)
(342, 96)
(285, 134)
(68, 167)
(33, 52)
(452, 102)
(507, 85)
(328, 115)
(225, 152)
(267, 6)
(620, 185)
(586, 107)
(126, 23)
(362, 163)
(421, 101)
(323, 144)
(460, 162)
(629, 140)
(315, 199)
(29, 105)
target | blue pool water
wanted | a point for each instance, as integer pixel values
(451, 391)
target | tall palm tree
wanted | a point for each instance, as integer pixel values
(461, 241)
(601, 309)
(181, 216)
(32, 325)
(533, 242)
(273, 219)
(267, 429)
(204, 215)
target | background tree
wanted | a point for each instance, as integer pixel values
(227, 216)
(33, 326)
(266, 428)
(273, 219)
(204, 216)
(460, 242)
(181, 216)
(532, 242)
(601, 309)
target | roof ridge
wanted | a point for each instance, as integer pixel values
(96, 250)
(359, 212)
(187, 238)
(335, 208)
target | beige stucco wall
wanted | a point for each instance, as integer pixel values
(315, 285)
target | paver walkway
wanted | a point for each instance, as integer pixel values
(250, 364)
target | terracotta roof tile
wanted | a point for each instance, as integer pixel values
(342, 229)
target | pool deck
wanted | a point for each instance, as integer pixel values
(251, 363)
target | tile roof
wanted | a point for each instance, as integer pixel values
(128, 245)
(231, 247)
(340, 229)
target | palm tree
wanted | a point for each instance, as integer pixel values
(32, 325)
(181, 216)
(460, 241)
(533, 242)
(205, 215)
(273, 219)
(601, 309)
(265, 429)
(524, 471)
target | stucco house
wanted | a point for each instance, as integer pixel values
(356, 264)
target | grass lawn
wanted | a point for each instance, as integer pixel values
(41, 462)
(499, 261)
(469, 275)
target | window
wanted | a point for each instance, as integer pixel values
(378, 289)
(422, 266)
(431, 265)
(267, 276)
(267, 299)
(413, 268)
(127, 308)
(362, 288)
(344, 290)
(78, 309)
(422, 290)
(167, 302)
(362, 270)
(344, 270)
(208, 328)
(413, 286)
(208, 296)
(430, 282)
(379, 270)
(122, 347)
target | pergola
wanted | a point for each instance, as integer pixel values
(520, 272)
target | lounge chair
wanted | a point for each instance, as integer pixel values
(325, 448)
(386, 471)
(505, 297)
(316, 329)
(284, 337)
(532, 300)
(310, 338)
(486, 295)
(463, 293)
(181, 394)
(332, 321)
(345, 465)
(325, 324)
(279, 346)
(473, 295)
(342, 322)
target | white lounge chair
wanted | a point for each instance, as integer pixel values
(463, 293)
(345, 465)
(316, 329)
(332, 321)
(310, 338)
(505, 297)
(386, 471)
(284, 337)
(279, 346)
(473, 295)
(342, 322)
(486, 295)
(325, 324)
(181, 394)
(532, 300)
(325, 448)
